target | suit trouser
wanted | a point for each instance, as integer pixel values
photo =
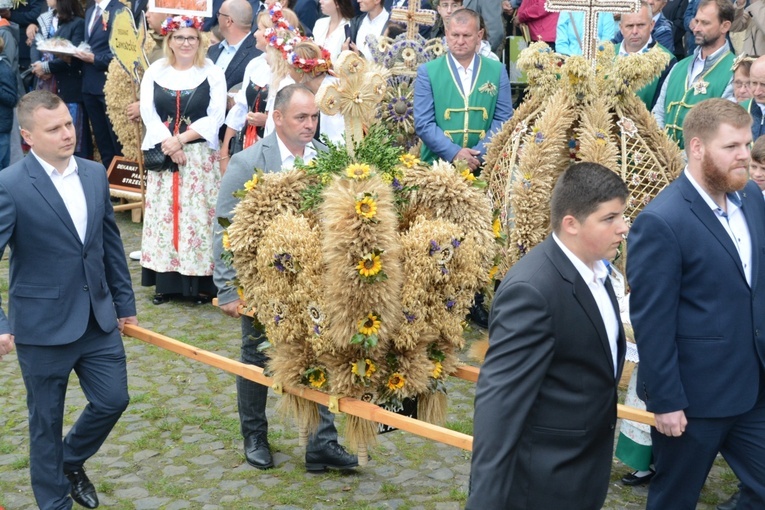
(683, 463)
(98, 359)
(106, 140)
(251, 397)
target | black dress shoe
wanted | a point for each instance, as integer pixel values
(332, 456)
(478, 314)
(631, 480)
(160, 298)
(731, 503)
(83, 493)
(257, 452)
(202, 300)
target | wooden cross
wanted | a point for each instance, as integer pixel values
(591, 9)
(413, 17)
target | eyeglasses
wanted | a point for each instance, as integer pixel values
(192, 39)
(224, 14)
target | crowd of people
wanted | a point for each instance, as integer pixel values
(234, 92)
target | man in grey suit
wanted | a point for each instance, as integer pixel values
(295, 119)
(545, 405)
(70, 296)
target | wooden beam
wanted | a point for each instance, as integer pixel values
(470, 373)
(346, 405)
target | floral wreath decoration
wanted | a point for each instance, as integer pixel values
(282, 35)
(313, 66)
(173, 23)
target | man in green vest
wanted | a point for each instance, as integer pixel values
(703, 75)
(636, 29)
(460, 99)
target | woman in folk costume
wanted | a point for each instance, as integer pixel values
(311, 65)
(246, 120)
(183, 103)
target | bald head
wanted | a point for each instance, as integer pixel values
(239, 12)
(757, 80)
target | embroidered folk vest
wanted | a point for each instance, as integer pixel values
(465, 119)
(680, 98)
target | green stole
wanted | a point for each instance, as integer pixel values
(680, 98)
(647, 93)
(465, 120)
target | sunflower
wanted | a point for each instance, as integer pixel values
(358, 171)
(240, 292)
(366, 207)
(370, 265)
(369, 325)
(437, 368)
(497, 228)
(226, 241)
(249, 185)
(317, 378)
(369, 368)
(408, 160)
(468, 175)
(396, 381)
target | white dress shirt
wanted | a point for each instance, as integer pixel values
(288, 159)
(734, 223)
(465, 74)
(69, 187)
(370, 27)
(98, 11)
(596, 282)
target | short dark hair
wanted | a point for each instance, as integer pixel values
(463, 15)
(581, 189)
(34, 100)
(284, 96)
(725, 9)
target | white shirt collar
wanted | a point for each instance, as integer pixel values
(623, 51)
(103, 4)
(288, 159)
(588, 275)
(49, 169)
(730, 206)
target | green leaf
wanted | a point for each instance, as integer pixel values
(224, 222)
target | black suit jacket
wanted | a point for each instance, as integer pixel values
(545, 405)
(235, 70)
(94, 75)
(69, 76)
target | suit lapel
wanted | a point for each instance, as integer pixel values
(583, 295)
(705, 214)
(749, 212)
(41, 181)
(271, 152)
(88, 189)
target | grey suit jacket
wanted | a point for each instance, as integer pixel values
(56, 279)
(545, 404)
(265, 156)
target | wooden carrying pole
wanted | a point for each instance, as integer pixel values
(347, 405)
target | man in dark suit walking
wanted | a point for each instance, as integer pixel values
(98, 29)
(545, 405)
(696, 267)
(69, 297)
(237, 48)
(295, 118)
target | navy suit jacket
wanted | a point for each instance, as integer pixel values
(56, 279)
(69, 76)
(545, 402)
(94, 75)
(699, 327)
(235, 70)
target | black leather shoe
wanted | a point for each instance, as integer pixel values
(160, 298)
(332, 456)
(202, 300)
(631, 480)
(83, 493)
(257, 452)
(731, 503)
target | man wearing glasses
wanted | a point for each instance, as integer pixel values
(236, 49)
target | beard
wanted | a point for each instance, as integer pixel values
(720, 180)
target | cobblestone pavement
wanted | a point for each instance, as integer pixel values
(178, 444)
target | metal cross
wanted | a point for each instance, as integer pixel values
(413, 17)
(591, 9)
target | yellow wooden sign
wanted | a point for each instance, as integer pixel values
(126, 43)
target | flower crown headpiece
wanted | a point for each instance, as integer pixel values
(282, 35)
(173, 23)
(314, 66)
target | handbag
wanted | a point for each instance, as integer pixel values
(154, 160)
